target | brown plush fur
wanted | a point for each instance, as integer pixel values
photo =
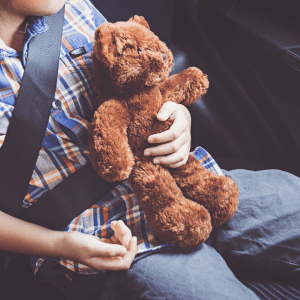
(132, 67)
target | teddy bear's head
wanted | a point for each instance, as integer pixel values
(128, 56)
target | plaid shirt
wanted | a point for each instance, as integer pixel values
(64, 149)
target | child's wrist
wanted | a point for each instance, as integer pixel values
(59, 244)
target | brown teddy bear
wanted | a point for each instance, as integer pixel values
(132, 66)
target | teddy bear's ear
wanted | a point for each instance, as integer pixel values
(103, 45)
(139, 20)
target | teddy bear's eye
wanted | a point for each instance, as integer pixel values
(139, 51)
(164, 56)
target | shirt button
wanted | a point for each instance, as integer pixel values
(56, 104)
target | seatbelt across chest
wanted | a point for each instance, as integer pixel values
(24, 138)
(27, 127)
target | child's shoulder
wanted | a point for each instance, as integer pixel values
(83, 7)
(85, 3)
(76, 9)
(81, 21)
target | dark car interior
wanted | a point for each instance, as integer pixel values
(249, 118)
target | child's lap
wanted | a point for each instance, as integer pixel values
(263, 234)
(171, 274)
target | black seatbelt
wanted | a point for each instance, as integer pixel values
(25, 135)
(68, 199)
(27, 127)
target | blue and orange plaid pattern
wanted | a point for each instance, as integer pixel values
(122, 204)
(64, 148)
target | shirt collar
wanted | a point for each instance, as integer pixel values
(7, 51)
(35, 26)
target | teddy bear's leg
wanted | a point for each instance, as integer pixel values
(172, 217)
(218, 194)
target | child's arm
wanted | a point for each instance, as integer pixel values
(23, 237)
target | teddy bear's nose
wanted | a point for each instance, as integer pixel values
(164, 56)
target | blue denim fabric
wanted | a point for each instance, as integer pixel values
(263, 235)
(168, 274)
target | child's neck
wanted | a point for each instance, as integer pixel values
(12, 29)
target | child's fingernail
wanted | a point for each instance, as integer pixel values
(156, 161)
(147, 153)
(162, 116)
(150, 139)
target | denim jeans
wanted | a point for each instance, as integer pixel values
(263, 235)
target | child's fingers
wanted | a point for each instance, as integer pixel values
(179, 163)
(109, 250)
(112, 240)
(167, 148)
(181, 125)
(169, 135)
(121, 232)
(166, 110)
(132, 250)
(120, 227)
(116, 263)
(175, 159)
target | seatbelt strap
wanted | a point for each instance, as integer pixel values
(24, 137)
(27, 127)
(69, 199)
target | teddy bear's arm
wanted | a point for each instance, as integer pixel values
(186, 87)
(110, 153)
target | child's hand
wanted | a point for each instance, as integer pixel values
(122, 234)
(116, 253)
(176, 141)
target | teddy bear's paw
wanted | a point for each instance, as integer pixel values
(114, 172)
(115, 176)
(197, 85)
(112, 166)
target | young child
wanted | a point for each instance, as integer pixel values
(79, 259)
(65, 143)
